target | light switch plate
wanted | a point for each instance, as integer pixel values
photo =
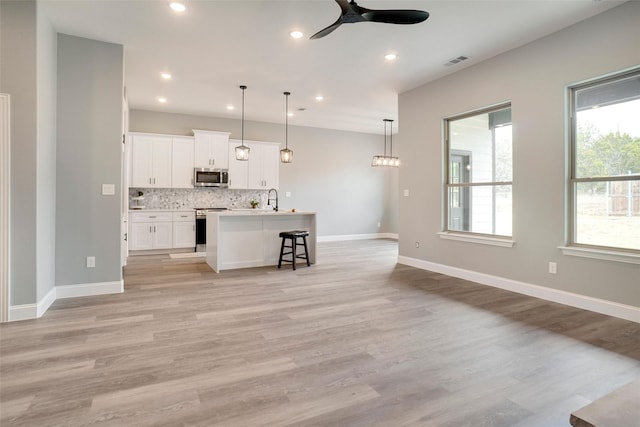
(287, 194)
(406, 192)
(108, 189)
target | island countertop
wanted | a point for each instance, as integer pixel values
(250, 237)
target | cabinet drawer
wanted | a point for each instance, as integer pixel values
(184, 216)
(150, 216)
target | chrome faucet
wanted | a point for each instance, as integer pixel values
(269, 199)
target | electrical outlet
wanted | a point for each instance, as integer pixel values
(287, 194)
(91, 262)
(406, 192)
(417, 244)
(378, 225)
(553, 268)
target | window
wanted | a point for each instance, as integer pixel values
(479, 172)
(605, 163)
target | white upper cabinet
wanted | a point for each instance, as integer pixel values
(211, 149)
(261, 171)
(183, 164)
(151, 161)
(264, 165)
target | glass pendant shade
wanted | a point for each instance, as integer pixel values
(242, 151)
(286, 155)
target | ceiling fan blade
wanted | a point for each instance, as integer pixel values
(327, 30)
(396, 16)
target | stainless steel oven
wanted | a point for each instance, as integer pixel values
(201, 227)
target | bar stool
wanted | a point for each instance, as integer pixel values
(293, 236)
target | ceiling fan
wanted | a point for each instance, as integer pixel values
(352, 13)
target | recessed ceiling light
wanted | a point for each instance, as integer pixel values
(165, 76)
(230, 107)
(162, 99)
(177, 7)
(390, 56)
(296, 34)
(319, 98)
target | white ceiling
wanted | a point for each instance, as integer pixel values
(215, 46)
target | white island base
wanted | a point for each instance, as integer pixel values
(250, 238)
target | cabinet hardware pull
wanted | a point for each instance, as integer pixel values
(152, 216)
(154, 228)
(150, 229)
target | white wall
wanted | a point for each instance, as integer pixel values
(534, 78)
(330, 173)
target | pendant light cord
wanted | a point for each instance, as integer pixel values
(242, 132)
(391, 138)
(286, 120)
(385, 138)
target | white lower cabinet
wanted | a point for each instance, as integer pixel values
(161, 230)
(184, 230)
(150, 230)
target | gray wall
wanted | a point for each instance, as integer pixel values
(330, 173)
(534, 79)
(18, 59)
(46, 156)
(89, 149)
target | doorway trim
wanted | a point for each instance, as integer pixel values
(5, 204)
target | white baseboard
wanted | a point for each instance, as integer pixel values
(34, 311)
(89, 289)
(345, 237)
(621, 311)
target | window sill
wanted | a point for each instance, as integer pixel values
(603, 254)
(482, 240)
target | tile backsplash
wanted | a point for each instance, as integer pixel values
(189, 198)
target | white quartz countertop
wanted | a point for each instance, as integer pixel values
(162, 210)
(252, 212)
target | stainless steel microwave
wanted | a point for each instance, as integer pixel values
(205, 177)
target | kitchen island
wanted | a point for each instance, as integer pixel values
(250, 237)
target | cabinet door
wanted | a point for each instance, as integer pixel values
(142, 162)
(271, 165)
(219, 151)
(162, 162)
(211, 150)
(182, 165)
(254, 176)
(237, 168)
(202, 154)
(264, 166)
(162, 235)
(140, 236)
(184, 234)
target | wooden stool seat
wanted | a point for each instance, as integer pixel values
(293, 236)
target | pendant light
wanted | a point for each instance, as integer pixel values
(242, 151)
(286, 155)
(385, 160)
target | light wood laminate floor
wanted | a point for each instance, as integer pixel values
(355, 340)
